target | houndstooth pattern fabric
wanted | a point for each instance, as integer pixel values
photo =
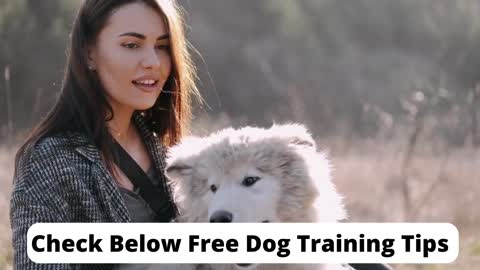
(62, 179)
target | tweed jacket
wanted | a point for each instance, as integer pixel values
(62, 179)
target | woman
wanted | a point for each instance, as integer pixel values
(128, 80)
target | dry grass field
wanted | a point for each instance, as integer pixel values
(442, 187)
(6, 173)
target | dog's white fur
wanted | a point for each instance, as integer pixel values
(294, 182)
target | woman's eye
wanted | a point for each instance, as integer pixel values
(213, 188)
(130, 45)
(250, 180)
(163, 47)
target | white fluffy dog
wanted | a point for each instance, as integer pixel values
(254, 175)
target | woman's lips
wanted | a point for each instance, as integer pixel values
(146, 85)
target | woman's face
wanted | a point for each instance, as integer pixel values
(132, 57)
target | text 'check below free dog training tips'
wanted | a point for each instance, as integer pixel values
(243, 242)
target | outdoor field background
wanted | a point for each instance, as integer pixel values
(390, 88)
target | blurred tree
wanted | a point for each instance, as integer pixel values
(321, 62)
(36, 33)
(336, 56)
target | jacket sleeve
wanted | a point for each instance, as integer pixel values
(50, 186)
(36, 199)
(23, 214)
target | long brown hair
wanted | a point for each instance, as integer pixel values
(82, 105)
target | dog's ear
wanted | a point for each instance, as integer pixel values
(295, 135)
(178, 169)
(301, 142)
(181, 158)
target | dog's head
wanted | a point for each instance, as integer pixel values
(253, 175)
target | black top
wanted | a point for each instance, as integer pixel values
(138, 208)
(139, 211)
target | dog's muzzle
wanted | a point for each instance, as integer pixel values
(223, 216)
(243, 265)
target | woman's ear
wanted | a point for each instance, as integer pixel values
(91, 57)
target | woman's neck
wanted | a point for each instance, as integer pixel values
(121, 125)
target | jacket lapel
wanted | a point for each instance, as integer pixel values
(111, 192)
(108, 190)
(156, 150)
(152, 143)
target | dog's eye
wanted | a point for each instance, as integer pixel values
(213, 188)
(250, 180)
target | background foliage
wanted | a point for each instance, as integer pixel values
(390, 87)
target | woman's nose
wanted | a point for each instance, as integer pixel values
(151, 59)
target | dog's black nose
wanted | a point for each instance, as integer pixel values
(221, 216)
